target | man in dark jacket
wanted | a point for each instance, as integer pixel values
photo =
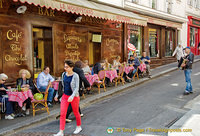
(189, 58)
(98, 66)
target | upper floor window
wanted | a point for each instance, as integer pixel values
(135, 1)
(153, 4)
(196, 3)
(169, 6)
(190, 2)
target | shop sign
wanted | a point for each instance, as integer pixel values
(46, 12)
(196, 22)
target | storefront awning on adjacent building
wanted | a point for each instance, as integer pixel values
(89, 8)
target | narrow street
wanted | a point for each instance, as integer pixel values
(155, 104)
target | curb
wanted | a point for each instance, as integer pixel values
(44, 118)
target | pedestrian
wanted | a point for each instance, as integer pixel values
(187, 65)
(71, 95)
(179, 52)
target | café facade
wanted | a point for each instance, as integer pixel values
(38, 33)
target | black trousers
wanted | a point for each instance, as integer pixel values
(28, 103)
(69, 111)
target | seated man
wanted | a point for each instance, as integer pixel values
(98, 66)
(8, 104)
(146, 60)
(134, 61)
(42, 82)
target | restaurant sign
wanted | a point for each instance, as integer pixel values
(196, 22)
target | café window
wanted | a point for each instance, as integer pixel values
(153, 42)
(193, 31)
(169, 42)
(135, 34)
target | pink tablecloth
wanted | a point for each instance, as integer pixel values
(55, 85)
(128, 69)
(19, 97)
(92, 78)
(111, 74)
(142, 67)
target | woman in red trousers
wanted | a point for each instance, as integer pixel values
(70, 82)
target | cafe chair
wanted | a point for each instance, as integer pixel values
(119, 77)
(136, 74)
(100, 81)
(42, 102)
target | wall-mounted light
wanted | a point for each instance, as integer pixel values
(21, 9)
(118, 25)
(78, 19)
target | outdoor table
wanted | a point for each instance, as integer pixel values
(111, 74)
(92, 78)
(142, 67)
(127, 69)
(19, 97)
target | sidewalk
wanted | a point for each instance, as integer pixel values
(11, 126)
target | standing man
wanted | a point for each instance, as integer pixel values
(42, 82)
(146, 60)
(189, 58)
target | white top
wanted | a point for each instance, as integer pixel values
(86, 70)
(179, 52)
(116, 64)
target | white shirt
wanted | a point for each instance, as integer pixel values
(86, 70)
(179, 52)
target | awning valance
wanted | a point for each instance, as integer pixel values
(88, 8)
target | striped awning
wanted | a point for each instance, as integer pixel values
(89, 8)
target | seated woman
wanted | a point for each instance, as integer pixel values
(25, 81)
(86, 68)
(116, 63)
(4, 100)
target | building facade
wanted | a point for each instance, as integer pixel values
(38, 33)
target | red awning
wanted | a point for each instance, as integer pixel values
(89, 8)
(131, 47)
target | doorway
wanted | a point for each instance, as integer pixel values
(94, 48)
(43, 49)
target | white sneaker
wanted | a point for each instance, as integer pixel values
(68, 120)
(81, 115)
(27, 112)
(9, 117)
(59, 134)
(78, 130)
(24, 108)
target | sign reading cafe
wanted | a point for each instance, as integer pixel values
(16, 55)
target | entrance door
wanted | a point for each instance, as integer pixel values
(43, 48)
(94, 49)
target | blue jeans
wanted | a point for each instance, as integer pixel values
(50, 94)
(9, 106)
(188, 80)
